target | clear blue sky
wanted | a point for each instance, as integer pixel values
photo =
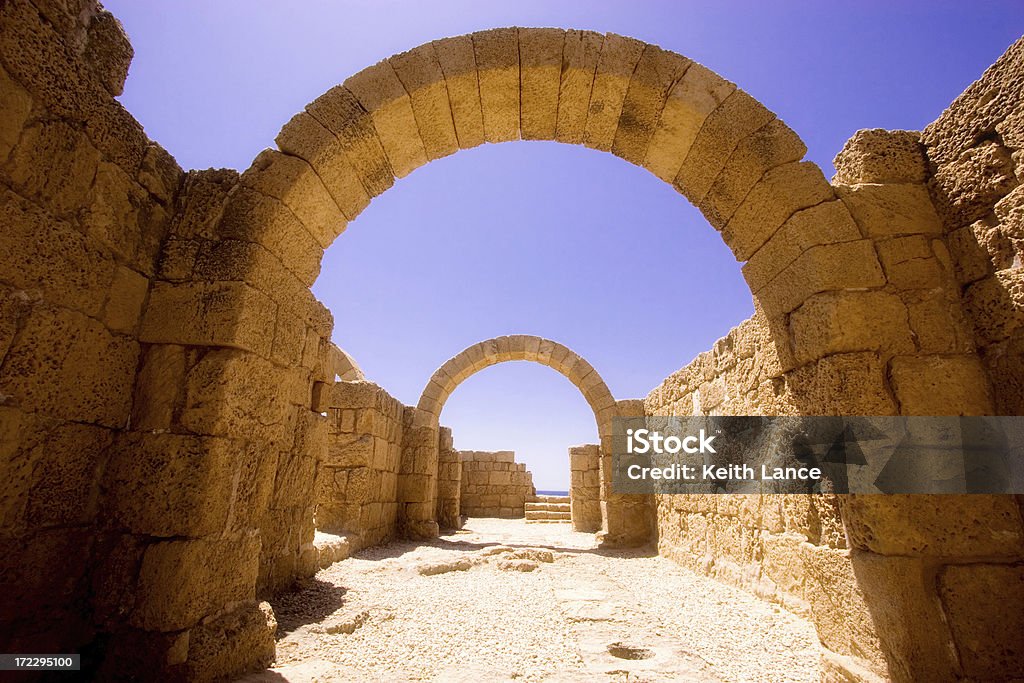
(540, 238)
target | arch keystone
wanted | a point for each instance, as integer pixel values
(540, 59)
(497, 63)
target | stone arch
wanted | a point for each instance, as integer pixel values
(520, 347)
(260, 238)
(714, 143)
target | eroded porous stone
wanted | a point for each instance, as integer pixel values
(176, 425)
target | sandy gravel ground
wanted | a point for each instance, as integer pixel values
(503, 600)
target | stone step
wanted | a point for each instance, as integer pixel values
(550, 499)
(546, 514)
(548, 521)
(548, 507)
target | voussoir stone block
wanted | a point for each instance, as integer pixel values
(382, 95)
(615, 66)
(655, 74)
(294, 183)
(458, 64)
(250, 216)
(421, 75)
(736, 118)
(540, 63)
(308, 139)
(497, 63)
(692, 99)
(827, 267)
(340, 111)
(779, 194)
(580, 54)
(771, 145)
(826, 223)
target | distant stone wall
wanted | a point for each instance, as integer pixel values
(357, 484)
(585, 487)
(494, 484)
(449, 482)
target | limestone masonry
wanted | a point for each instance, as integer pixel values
(494, 484)
(176, 426)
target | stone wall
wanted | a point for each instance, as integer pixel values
(449, 482)
(494, 484)
(975, 152)
(357, 484)
(789, 549)
(585, 487)
(85, 202)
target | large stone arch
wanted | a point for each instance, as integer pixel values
(244, 250)
(520, 347)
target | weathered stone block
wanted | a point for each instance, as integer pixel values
(127, 295)
(774, 144)
(580, 53)
(229, 314)
(182, 581)
(497, 63)
(698, 93)
(458, 63)
(55, 164)
(779, 194)
(340, 111)
(948, 526)
(941, 385)
(422, 77)
(839, 322)
(172, 485)
(238, 640)
(305, 137)
(985, 609)
(615, 67)
(881, 156)
(381, 94)
(59, 350)
(736, 118)
(655, 74)
(540, 63)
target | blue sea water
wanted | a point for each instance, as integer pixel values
(552, 493)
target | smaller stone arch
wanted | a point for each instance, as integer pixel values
(342, 365)
(521, 347)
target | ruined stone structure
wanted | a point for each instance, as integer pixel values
(585, 487)
(494, 484)
(167, 380)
